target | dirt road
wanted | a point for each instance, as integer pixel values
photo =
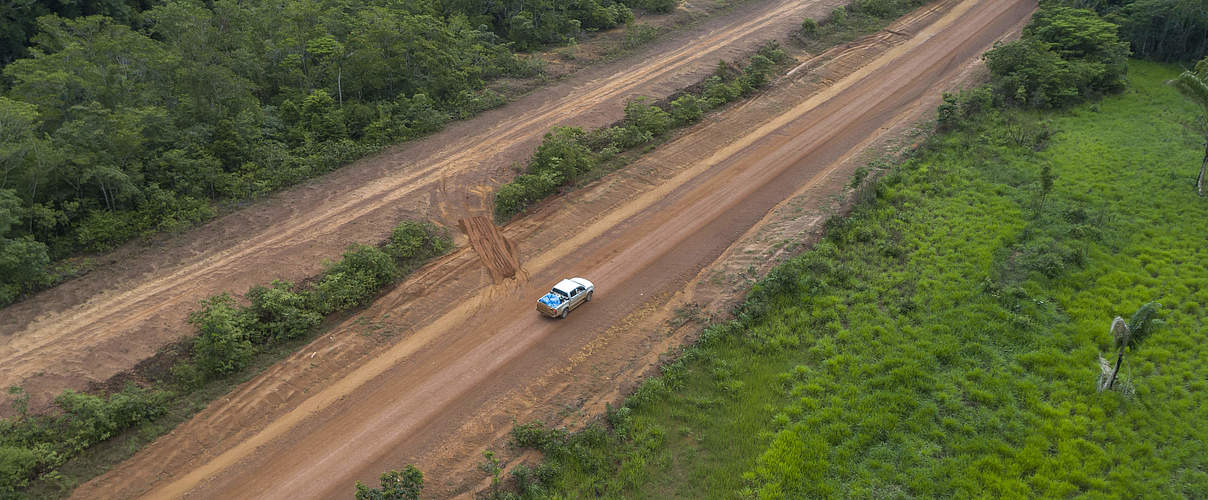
(90, 329)
(460, 353)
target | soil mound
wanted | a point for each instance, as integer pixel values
(496, 252)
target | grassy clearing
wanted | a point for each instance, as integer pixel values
(943, 340)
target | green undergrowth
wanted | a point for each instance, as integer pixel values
(45, 456)
(943, 340)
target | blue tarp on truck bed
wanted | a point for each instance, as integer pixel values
(550, 299)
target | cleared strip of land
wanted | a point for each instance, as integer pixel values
(90, 329)
(470, 351)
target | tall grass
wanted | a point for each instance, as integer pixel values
(943, 340)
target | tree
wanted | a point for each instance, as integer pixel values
(222, 345)
(1064, 55)
(1163, 30)
(396, 485)
(279, 313)
(23, 261)
(1194, 85)
(1130, 335)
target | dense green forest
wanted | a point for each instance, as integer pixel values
(18, 19)
(116, 127)
(1163, 30)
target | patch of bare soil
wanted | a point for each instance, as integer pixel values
(494, 250)
(440, 368)
(90, 329)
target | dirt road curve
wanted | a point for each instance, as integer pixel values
(89, 329)
(342, 410)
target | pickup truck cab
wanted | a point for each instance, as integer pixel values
(566, 295)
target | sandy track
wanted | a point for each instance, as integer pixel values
(309, 428)
(103, 324)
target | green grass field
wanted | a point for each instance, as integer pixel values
(943, 341)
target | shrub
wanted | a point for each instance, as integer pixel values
(523, 191)
(809, 27)
(466, 104)
(538, 437)
(279, 313)
(17, 466)
(406, 484)
(755, 75)
(686, 109)
(103, 229)
(949, 112)
(223, 344)
(562, 151)
(773, 52)
(31, 446)
(353, 280)
(661, 6)
(161, 210)
(647, 117)
(638, 34)
(90, 419)
(623, 137)
(562, 156)
(417, 241)
(718, 92)
(837, 16)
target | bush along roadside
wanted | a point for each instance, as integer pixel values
(230, 336)
(567, 154)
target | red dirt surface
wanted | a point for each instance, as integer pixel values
(493, 248)
(438, 368)
(90, 329)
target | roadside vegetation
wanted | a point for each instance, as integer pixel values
(845, 24)
(567, 154)
(137, 117)
(47, 455)
(945, 339)
(954, 335)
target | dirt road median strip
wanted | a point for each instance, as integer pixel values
(986, 14)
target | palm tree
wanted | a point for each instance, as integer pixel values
(1194, 85)
(1143, 323)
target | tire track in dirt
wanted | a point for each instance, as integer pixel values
(48, 347)
(405, 403)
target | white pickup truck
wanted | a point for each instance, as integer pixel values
(566, 295)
